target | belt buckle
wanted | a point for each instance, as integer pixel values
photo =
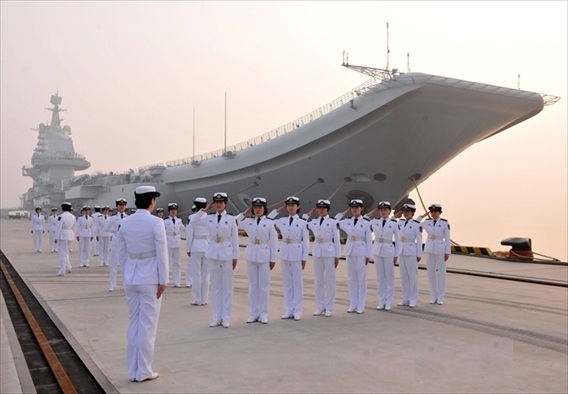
(402, 239)
(381, 240)
(287, 240)
(353, 238)
(257, 241)
(433, 238)
(320, 240)
(218, 239)
(174, 234)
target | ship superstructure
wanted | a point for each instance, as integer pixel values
(54, 162)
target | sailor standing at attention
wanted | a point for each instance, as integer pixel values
(293, 256)
(174, 227)
(358, 254)
(64, 233)
(326, 252)
(103, 237)
(84, 235)
(385, 253)
(51, 227)
(95, 230)
(38, 223)
(160, 212)
(410, 255)
(141, 248)
(197, 240)
(261, 257)
(222, 254)
(112, 227)
(437, 251)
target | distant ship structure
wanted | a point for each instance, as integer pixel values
(376, 142)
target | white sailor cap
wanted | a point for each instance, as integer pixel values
(53, 209)
(323, 204)
(105, 207)
(86, 208)
(36, 208)
(356, 202)
(384, 204)
(159, 209)
(435, 207)
(259, 202)
(146, 191)
(220, 196)
(97, 207)
(65, 204)
(292, 200)
(120, 201)
(172, 205)
(408, 207)
(201, 200)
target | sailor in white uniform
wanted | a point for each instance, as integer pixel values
(437, 251)
(293, 256)
(357, 252)
(261, 257)
(84, 235)
(103, 237)
(160, 212)
(51, 227)
(95, 230)
(111, 227)
(385, 253)
(222, 254)
(64, 233)
(410, 255)
(141, 248)
(197, 240)
(326, 251)
(38, 228)
(174, 228)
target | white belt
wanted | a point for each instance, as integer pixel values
(200, 237)
(321, 240)
(219, 239)
(142, 256)
(383, 241)
(291, 241)
(257, 241)
(354, 238)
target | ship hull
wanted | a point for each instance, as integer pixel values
(377, 147)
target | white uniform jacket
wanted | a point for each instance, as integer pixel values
(102, 222)
(326, 237)
(295, 237)
(410, 237)
(95, 229)
(263, 239)
(384, 235)
(84, 226)
(359, 240)
(142, 249)
(65, 229)
(38, 222)
(438, 236)
(223, 235)
(174, 227)
(196, 235)
(52, 223)
(113, 223)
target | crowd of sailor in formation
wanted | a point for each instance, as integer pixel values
(212, 250)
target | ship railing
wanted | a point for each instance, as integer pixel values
(280, 131)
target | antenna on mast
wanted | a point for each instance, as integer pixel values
(519, 81)
(388, 49)
(194, 133)
(408, 62)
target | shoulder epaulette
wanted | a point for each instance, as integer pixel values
(114, 214)
(367, 219)
(445, 220)
(429, 219)
(394, 220)
(214, 213)
(230, 214)
(414, 220)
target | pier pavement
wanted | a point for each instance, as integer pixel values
(490, 335)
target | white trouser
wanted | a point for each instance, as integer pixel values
(173, 257)
(96, 250)
(189, 272)
(143, 312)
(221, 272)
(38, 240)
(52, 244)
(114, 265)
(63, 254)
(385, 279)
(199, 277)
(293, 280)
(357, 282)
(104, 250)
(436, 266)
(409, 278)
(324, 270)
(259, 288)
(84, 246)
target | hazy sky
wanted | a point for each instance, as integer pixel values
(130, 74)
